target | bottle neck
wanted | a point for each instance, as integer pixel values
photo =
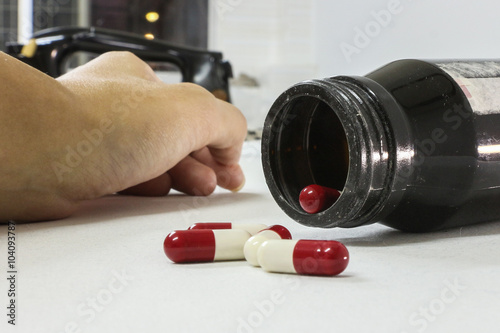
(335, 133)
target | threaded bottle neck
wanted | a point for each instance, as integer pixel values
(334, 133)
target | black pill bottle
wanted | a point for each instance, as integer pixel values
(414, 145)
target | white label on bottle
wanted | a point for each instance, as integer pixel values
(480, 82)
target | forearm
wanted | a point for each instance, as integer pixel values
(32, 104)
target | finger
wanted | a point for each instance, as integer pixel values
(230, 134)
(157, 187)
(230, 177)
(192, 177)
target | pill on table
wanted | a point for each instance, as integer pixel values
(254, 242)
(311, 257)
(316, 198)
(251, 228)
(205, 245)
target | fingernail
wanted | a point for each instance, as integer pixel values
(240, 186)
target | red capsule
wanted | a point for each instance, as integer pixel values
(211, 225)
(316, 198)
(320, 257)
(205, 245)
(310, 257)
(251, 228)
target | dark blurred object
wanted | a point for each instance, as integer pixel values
(57, 50)
(183, 22)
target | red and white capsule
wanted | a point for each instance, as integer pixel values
(316, 198)
(253, 243)
(205, 245)
(251, 228)
(311, 257)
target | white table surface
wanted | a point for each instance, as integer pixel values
(104, 270)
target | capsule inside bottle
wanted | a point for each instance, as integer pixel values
(316, 153)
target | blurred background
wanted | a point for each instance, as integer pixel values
(273, 44)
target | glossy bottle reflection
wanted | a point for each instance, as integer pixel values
(403, 144)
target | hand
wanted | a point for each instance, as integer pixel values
(109, 126)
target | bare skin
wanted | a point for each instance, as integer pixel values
(109, 126)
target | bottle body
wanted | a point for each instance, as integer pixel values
(414, 145)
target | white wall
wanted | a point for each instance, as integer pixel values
(281, 42)
(270, 40)
(421, 29)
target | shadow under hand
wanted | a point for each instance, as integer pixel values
(121, 206)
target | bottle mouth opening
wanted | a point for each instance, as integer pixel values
(331, 133)
(308, 146)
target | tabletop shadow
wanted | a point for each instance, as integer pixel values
(119, 206)
(393, 237)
